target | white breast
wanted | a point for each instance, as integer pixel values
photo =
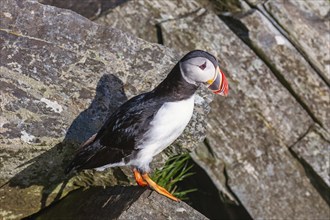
(167, 125)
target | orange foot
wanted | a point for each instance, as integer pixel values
(138, 178)
(144, 180)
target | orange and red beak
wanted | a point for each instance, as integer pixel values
(219, 84)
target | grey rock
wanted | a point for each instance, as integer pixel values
(117, 203)
(61, 75)
(251, 81)
(314, 149)
(276, 121)
(276, 187)
(290, 66)
(250, 130)
(302, 81)
(141, 18)
(307, 24)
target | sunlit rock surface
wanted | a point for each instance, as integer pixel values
(275, 98)
(250, 130)
(140, 17)
(288, 65)
(307, 24)
(267, 143)
(61, 75)
(314, 150)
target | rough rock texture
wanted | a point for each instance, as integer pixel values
(249, 76)
(141, 17)
(314, 149)
(249, 132)
(295, 73)
(307, 24)
(290, 67)
(61, 75)
(117, 203)
(263, 149)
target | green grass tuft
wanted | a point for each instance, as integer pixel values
(175, 170)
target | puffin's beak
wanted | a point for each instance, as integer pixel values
(219, 84)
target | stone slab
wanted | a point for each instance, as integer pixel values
(252, 83)
(139, 17)
(307, 24)
(61, 75)
(314, 149)
(250, 130)
(290, 66)
(276, 187)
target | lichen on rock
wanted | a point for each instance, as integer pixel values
(61, 76)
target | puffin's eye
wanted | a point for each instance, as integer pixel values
(203, 66)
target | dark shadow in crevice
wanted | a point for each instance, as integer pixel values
(90, 9)
(237, 27)
(318, 183)
(92, 203)
(159, 34)
(47, 169)
(207, 198)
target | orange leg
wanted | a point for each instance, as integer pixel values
(158, 188)
(138, 178)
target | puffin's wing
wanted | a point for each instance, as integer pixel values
(118, 136)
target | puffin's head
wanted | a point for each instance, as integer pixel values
(200, 67)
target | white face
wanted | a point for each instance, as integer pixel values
(197, 70)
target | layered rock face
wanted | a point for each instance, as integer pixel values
(296, 17)
(267, 143)
(251, 132)
(61, 76)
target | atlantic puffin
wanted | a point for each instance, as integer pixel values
(146, 124)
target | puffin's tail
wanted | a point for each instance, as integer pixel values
(79, 160)
(69, 168)
(82, 155)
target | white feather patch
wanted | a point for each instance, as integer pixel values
(167, 125)
(102, 168)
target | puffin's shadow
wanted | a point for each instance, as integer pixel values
(47, 169)
(92, 203)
